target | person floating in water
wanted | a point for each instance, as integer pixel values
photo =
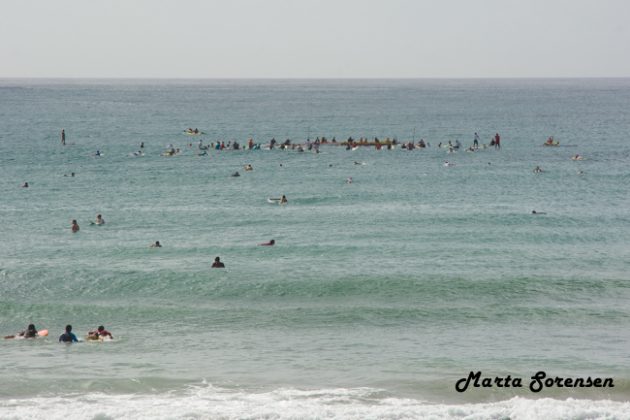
(249, 167)
(156, 245)
(235, 174)
(349, 180)
(537, 170)
(217, 263)
(30, 332)
(63, 137)
(99, 220)
(75, 226)
(538, 212)
(270, 243)
(100, 332)
(25, 185)
(284, 200)
(68, 336)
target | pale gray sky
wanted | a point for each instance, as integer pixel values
(314, 38)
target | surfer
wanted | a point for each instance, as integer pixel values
(156, 245)
(284, 200)
(75, 226)
(497, 141)
(217, 263)
(25, 185)
(236, 174)
(249, 167)
(63, 137)
(100, 332)
(476, 141)
(68, 336)
(99, 220)
(270, 243)
(30, 332)
(537, 170)
(538, 212)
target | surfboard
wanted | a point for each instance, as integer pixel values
(99, 339)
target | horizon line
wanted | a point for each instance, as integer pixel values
(310, 78)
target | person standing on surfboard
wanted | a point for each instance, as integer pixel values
(63, 137)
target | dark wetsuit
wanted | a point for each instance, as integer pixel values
(68, 337)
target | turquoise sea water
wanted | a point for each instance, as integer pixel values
(378, 295)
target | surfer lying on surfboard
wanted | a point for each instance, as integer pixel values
(99, 334)
(30, 332)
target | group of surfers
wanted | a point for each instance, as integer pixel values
(68, 336)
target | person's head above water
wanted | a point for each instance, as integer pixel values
(68, 328)
(100, 328)
(31, 327)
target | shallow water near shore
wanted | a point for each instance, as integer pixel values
(378, 295)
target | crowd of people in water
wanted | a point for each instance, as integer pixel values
(314, 145)
(101, 333)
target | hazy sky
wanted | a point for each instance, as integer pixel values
(314, 38)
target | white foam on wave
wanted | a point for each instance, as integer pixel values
(208, 402)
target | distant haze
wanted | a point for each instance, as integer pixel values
(315, 38)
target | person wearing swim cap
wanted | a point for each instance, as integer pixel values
(68, 336)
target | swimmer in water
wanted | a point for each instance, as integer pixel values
(235, 174)
(217, 263)
(270, 243)
(99, 220)
(75, 226)
(156, 245)
(68, 336)
(25, 185)
(284, 200)
(537, 170)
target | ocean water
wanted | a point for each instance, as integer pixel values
(378, 296)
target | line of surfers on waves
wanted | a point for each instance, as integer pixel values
(349, 144)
